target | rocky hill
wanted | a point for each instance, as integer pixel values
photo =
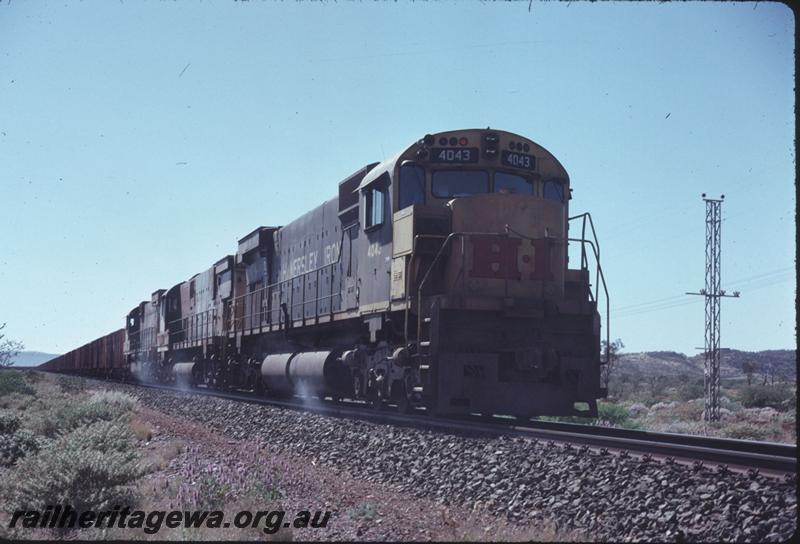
(782, 363)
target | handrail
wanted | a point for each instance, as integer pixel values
(338, 259)
(267, 289)
(584, 261)
(199, 325)
(599, 276)
(593, 244)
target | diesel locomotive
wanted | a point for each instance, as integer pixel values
(438, 278)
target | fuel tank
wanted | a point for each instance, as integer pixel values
(307, 372)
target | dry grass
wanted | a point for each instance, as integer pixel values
(472, 530)
(159, 493)
(15, 401)
(159, 456)
(737, 422)
(141, 429)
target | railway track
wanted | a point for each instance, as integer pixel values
(733, 454)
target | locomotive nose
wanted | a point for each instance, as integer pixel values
(515, 246)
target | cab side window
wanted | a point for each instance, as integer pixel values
(412, 185)
(376, 198)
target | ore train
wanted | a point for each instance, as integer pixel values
(438, 278)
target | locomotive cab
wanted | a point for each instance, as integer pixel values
(132, 342)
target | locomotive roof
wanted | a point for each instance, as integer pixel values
(255, 230)
(388, 164)
(380, 169)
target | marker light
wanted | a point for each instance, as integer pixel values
(463, 141)
(490, 141)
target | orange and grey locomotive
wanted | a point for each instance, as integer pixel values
(438, 278)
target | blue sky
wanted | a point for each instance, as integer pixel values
(140, 140)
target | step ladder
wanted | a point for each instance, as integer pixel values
(427, 351)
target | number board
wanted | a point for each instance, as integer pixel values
(454, 154)
(519, 160)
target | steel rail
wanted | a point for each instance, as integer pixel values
(740, 453)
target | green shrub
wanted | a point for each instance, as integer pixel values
(71, 384)
(691, 389)
(728, 404)
(568, 419)
(612, 413)
(608, 412)
(364, 511)
(9, 423)
(64, 416)
(266, 490)
(212, 492)
(33, 377)
(90, 468)
(14, 446)
(760, 396)
(630, 424)
(747, 431)
(12, 381)
(624, 385)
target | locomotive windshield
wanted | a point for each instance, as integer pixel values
(512, 183)
(453, 183)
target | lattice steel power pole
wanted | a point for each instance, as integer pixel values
(713, 295)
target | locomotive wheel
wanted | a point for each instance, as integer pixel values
(404, 404)
(375, 400)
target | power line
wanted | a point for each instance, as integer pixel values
(662, 307)
(640, 304)
(617, 314)
(762, 275)
(765, 279)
